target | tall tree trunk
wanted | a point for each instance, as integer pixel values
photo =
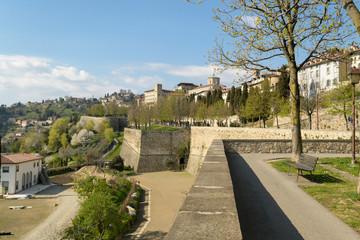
(259, 121)
(295, 112)
(353, 13)
(310, 123)
(277, 121)
(346, 122)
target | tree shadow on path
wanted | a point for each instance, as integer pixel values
(259, 215)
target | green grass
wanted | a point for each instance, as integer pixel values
(333, 191)
(343, 164)
(116, 151)
(163, 128)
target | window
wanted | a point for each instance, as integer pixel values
(317, 84)
(5, 169)
(34, 164)
(328, 83)
(17, 168)
(17, 185)
(328, 70)
(37, 164)
(317, 73)
(34, 179)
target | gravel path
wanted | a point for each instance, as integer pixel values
(168, 191)
(60, 218)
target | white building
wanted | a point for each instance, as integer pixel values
(326, 72)
(213, 83)
(19, 171)
(152, 96)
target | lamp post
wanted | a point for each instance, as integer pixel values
(354, 76)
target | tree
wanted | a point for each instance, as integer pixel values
(103, 125)
(265, 101)
(252, 107)
(339, 100)
(64, 140)
(308, 104)
(109, 134)
(89, 125)
(98, 216)
(117, 163)
(32, 142)
(261, 32)
(66, 154)
(84, 137)
(283, 84)
(58, 128)
(354, 14)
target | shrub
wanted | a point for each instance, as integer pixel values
(117, 163)
(169, 163)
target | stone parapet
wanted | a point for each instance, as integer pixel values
(209, 210)
(284, 146)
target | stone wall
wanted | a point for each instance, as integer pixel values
(209, 210)
(201, 138)
(145, 151)
(284, 146)
(131, 147)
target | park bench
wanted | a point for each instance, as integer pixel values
(306, 163)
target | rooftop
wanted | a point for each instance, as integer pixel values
(19, 158)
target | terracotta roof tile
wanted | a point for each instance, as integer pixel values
(19, 158)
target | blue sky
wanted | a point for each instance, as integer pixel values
(84, 48)
(50, 49)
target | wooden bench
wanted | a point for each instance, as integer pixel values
(306, 163)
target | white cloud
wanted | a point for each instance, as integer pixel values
(150, 73)
(26, 78)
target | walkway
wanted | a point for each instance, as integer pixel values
(61, 217)
(272, 206)
(163, 201)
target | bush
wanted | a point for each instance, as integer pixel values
(117, 163)
(169, 163)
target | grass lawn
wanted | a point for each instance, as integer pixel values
(163, 128)
(333, 191)
(19, 222)
(116, 151)
(343, 164)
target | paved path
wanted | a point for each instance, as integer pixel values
(272, 206)
(60, 218)
(168, 191)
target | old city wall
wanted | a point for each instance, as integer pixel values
(146, 150)
(201, 138)
(131, 147)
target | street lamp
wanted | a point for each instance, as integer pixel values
(354, 76)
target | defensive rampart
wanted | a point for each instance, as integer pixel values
(253, 141)
(209, 210)
(146, 151)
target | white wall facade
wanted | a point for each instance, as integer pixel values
(20, 176)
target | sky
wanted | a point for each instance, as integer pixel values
(58, 48)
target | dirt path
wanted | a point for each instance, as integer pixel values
(167, 191)
(60, 218)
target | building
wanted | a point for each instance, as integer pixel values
(326, 72)
(152, 96)
(186, 87)
(258, 79)
(19, 171)
(213, 83)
